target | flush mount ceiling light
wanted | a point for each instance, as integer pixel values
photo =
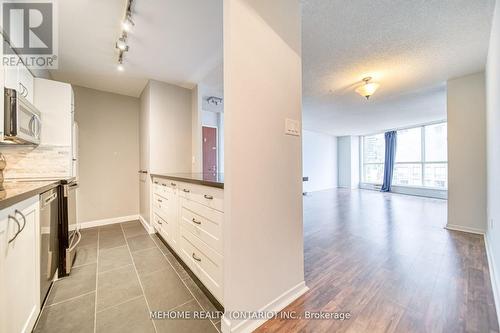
(368, 88)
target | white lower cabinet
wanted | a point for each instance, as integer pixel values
(19, 266)
(190, 217)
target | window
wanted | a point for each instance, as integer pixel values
(421, 157)
(373, 158)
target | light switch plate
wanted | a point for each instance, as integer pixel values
(292, 127)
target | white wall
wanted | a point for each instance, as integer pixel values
(467, 153)
(493, 153)
(144, 151)
(108, 154)
(263, 235)
(348, 161)
(170, 128)
(319, 161)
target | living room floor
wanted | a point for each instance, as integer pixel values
(388, 260)
(121, 273)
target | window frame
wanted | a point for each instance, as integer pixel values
(422, 161)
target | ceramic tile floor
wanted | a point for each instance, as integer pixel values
(120, 274)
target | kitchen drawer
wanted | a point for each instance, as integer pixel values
(204, 222)
(160, 206)
(163, 227)
(204, 262)
(164, 187)
(208, 196)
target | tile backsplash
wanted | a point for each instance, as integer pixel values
(37, 162)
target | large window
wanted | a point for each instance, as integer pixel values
(421, 157)
(373, 158)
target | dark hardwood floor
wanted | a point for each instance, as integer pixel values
(387, 260)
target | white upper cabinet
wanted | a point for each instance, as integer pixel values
(55, 101)
(26, 83)
(20, 79)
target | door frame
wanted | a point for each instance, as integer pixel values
(216, 142)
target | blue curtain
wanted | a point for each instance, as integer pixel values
(390, 156)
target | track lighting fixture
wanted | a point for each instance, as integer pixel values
(121, 43)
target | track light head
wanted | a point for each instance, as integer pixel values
(121, 44)
(127, 23)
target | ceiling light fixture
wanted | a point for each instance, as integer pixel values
(127, 23)
(368, 88)
(214, 100)
(120, 66)
(121, 43)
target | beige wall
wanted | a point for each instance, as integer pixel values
(467, 153)
(263, 235)
(108, 154)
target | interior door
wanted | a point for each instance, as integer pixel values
(209, 149)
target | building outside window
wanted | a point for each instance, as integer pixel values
(421, 157)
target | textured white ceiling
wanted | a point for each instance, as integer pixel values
(410, 47)
(176, 41)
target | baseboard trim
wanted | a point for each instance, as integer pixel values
(495, 279)
(464, 229)
(146, 225)
(276, 305)
(113, 220)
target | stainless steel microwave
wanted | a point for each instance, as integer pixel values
(23, 123)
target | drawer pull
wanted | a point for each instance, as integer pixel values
(159, 200)
(24, 219)
(173, 184)
(156, 182)
(186, 190)
(209, 197)
(18, 228)
(196, 258)
(163, 184)
(196, 221)
(159, 222)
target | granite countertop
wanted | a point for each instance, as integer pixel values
(207, 179)
(17, 191)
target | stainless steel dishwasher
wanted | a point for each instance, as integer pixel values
(49, 244)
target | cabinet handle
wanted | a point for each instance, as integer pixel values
(186, 190)
(156, 182)
(24, 219)
(195, 221)
(163, 184)
(173, 184)
(209, 197)
(159, 222)
(196, 258)
(159, 200)
(18, 228)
